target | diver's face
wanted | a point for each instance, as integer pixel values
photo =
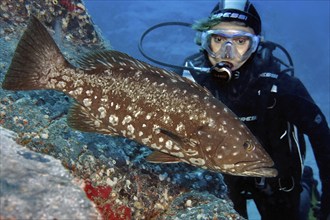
(230, 49)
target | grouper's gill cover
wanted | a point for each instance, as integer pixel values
(118, 95)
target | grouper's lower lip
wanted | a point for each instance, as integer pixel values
(259, 169)
(262, 172)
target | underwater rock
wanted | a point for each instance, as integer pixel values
(36, 186)
(197, 205)
(68, 20)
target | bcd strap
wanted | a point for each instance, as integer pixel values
(266, 93)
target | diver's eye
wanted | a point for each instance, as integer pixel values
(218, 39)
(241, 40)
(248, 146)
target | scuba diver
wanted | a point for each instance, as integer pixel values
(238, 67)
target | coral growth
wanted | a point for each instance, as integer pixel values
(105, 202)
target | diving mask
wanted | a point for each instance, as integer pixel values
(229, 44)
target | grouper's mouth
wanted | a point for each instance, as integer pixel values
(258, 169)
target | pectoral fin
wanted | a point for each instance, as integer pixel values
(159, 157)
(80, 118)
(181, 141)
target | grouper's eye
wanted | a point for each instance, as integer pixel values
(248, 146)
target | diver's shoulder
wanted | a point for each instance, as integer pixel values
(291, 85)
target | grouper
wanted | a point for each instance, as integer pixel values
(118, 95)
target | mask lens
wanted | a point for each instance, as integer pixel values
(229, 44)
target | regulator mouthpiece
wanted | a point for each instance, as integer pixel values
(222, 71)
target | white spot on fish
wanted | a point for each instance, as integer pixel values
(178, 154)
(104, 99)
(208, 148)
(164, 150)
(166, 119)
(61, 84)
(137, 113)
(117, 107)
(161, 140)
(148, 117)
(155, 146)
(78, 82)
(146, 140)
(113, 119)
(89, 92)
(211, 122)
(51, 84)
(228, 166)
(169, 144)
(87, 102)
(127, 119)
(191, 152)
(130, 129)
(78, 91)
(156, 129)
(180, 127)
(197, 161)
(140, 133)
(66, 78)
(103, 112)
(97, 124)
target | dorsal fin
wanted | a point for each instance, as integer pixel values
(115, 60)
(110, 59)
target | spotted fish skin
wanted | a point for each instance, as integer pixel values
(119, 95)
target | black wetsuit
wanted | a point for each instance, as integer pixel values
(278, 110)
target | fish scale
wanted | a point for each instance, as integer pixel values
(118, 95)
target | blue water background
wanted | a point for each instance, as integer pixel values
(302, 27)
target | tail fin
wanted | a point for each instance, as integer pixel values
(35, 58)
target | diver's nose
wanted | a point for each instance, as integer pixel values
(227, 52)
